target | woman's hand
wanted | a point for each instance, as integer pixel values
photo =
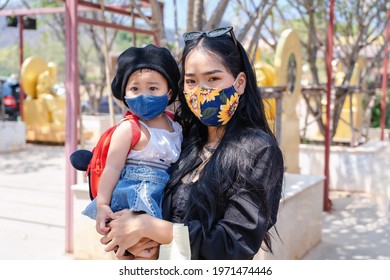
(146, 249)
(128, 228)
(126, 231)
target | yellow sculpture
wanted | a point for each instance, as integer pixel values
(352, 112)
(285, 72)
(44, 110)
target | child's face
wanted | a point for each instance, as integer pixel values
(146, 81)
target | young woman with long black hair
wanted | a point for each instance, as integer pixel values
(227, 184)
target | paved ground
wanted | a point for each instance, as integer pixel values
(32, 213)
(32, 203)
(356, 229)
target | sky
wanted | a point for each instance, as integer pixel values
(182, 12)
(169, 13)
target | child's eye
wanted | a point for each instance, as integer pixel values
(153, 88)
(134, 89)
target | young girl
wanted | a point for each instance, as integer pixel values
(146, 81)
(227, 184)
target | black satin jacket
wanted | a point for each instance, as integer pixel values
(239, 232)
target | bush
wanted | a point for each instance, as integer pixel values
(377, 112)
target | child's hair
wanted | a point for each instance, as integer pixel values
(149, 57)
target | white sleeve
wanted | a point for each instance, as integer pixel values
(179, 248)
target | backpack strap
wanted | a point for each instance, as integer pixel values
(135, 129)
(170, 114)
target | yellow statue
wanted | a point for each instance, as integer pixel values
(352, 111)
(285, 72)
(44, 110)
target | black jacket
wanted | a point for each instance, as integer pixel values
(240, 229)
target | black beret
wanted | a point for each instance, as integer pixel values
(149, 57)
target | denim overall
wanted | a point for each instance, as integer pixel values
(139, 188)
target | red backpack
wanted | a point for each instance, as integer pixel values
(94, 162)
(98, 161)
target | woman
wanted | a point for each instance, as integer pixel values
(227, 184)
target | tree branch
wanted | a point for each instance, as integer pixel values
(216, 17)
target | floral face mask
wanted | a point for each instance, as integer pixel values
(213, 106)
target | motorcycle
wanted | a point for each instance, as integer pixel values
(10, 99)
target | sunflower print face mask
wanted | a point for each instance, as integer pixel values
(213, 106)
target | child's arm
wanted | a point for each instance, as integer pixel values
(116, 158)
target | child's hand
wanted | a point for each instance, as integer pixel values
(103, 217)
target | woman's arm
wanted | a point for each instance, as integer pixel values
(247, 217)
(130, 227)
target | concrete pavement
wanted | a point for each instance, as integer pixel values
(356, 229)
(32, 213)
(32, 203)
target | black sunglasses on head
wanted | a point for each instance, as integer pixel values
(193, 35)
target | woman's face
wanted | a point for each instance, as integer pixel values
(205, 70)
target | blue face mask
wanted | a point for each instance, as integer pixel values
(147, 107)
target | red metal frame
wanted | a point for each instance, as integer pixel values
(72, 98)
(118, 27)
(329, 57)
(21, 58)
(87, 7)
(114, 9)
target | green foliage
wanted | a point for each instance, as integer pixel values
(46, 3)
(124, 40)
(9, 60)
(377, 113)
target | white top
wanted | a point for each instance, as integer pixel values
(163, 148)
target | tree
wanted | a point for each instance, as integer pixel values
(358, 25)
(3, 4)
(89, 49)
(252, 22)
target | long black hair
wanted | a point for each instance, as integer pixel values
(232, 162)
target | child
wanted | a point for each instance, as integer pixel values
(146, 81)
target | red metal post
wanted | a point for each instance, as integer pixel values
(21, 58)
(329, 57)
(384, 77)
(72, 105)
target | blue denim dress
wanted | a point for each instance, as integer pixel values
(139, 188)
(142, 181)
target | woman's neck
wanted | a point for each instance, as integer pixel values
(215, 135)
